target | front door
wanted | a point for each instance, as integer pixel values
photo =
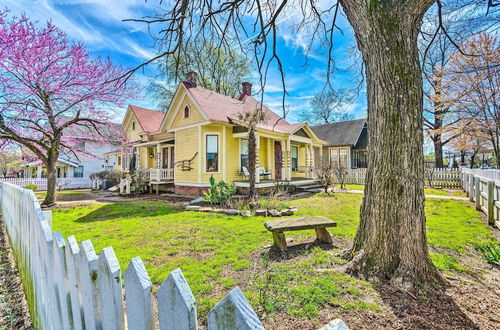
(278, 160)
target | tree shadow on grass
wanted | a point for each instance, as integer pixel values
(127, 210)
(433, 309)
(296, 250)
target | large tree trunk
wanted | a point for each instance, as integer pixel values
(438, 151)
(390, 243)
(50, 198)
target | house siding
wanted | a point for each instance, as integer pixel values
(133, 134)
(195, 115)
(186, 145)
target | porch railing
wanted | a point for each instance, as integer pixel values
(161, 174)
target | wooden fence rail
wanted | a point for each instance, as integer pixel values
(62, 183)
(439, 177)
(69, 286)
(483, 188)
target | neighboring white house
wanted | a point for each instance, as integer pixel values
(72, 167)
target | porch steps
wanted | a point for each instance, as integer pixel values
(312, 187)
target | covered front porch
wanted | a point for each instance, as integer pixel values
(158, 157)
(291, 158)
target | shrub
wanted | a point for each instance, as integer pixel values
(113, 176)
(219, 193)
(31, 186)
(139, 180)
(326, 176)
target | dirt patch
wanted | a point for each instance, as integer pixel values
(471, 301)
(13, 308)
(170, 198)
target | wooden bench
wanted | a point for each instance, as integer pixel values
(318, 223)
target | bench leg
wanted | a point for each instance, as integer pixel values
(323, 235)
(279, 241)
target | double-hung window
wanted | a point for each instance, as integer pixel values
(243, 154)
(212, 160)
(78, 173)
(334, 157)
(295, 158)
(343, 158)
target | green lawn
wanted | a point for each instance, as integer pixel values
(217, 252)
(428, 191)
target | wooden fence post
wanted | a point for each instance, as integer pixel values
(138, 295)
(233, 312)
(60, 279)
(477, 192)
(72, 258)
(176, 308)
(110, 284)
(491, 202)
(471, 187)
(89, 288)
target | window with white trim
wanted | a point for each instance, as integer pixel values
(243, 153)
(78, 173)
(295, 158)
(212, 154)
(186, 112)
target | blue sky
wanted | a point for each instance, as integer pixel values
(98, 24)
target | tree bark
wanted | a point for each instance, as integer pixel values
(438, 151)
(50, 198)
(390, 244)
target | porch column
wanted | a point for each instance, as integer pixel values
(159, 158)
(289, 159)
(269, 154)
(311, 161)
(320, 155)
(284, 157)
(257, 153)
(308, 160)
(39, 171)
(223, 154)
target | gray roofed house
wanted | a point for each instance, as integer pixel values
(346, 142)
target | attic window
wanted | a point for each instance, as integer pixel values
(133, 125)
(186, 112)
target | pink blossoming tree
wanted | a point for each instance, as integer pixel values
(53, 93)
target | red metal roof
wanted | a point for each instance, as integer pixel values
(150, 120)
(223, 108)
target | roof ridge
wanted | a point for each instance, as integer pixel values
(339, 122)
(142, 108)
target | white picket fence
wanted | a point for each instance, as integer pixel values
(69, 286)
(483, 188)
(62, 183)
(440, 177)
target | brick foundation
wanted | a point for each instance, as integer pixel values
(190, 190)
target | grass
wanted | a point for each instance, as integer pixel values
(217, 252)
(427, 191)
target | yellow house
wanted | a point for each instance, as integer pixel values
(200, 136)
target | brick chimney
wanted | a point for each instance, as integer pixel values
(247, 88)
(192, 78)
